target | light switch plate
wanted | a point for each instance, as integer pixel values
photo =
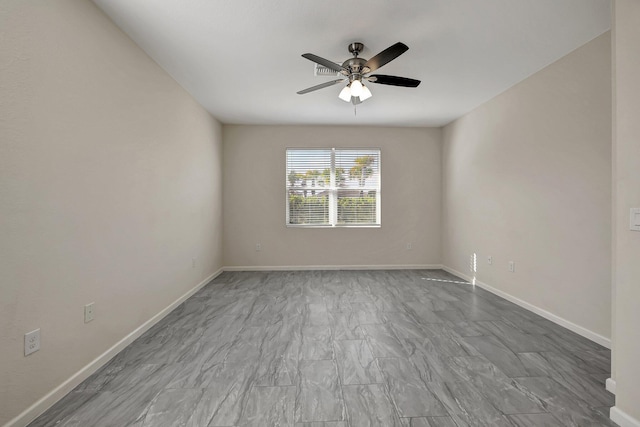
(634, 219)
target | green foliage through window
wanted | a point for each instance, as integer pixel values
(333, 187)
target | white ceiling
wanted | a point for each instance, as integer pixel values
(241, 58)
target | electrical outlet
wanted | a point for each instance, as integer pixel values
(512, 266)
(31, 342)
(88, 312)
(258, 247)
(409, 246)
(489, 260)
(193, 263)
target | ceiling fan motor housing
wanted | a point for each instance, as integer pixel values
(356, 68)
(355, 48)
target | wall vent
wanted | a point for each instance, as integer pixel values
(321, 70)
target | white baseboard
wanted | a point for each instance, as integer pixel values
(623, 419)
(593, 336)
(610, 385)
(39, 407)
(331, 267)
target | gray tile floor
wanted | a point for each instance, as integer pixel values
(346, 348)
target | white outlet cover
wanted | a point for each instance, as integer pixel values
(634, 219)
(31, 342)
(88, 312)
(489, 260)
(512, 266)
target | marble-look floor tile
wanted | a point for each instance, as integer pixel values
(383, 342)
(437, 329)
(563, 361)
(467, 406)
(601, 378)
(534, 420)
(428, 422)
(468, 329)
(316, 314)
(472, 311)
(247, 346)
(421, 313)
(345, 325)
(286, 347)
(562, 403)
(516, 341)
(316, 343)
(59, 413)
(442, 345)
(495, 386)
(337, 303)
(588, 388)
(126, 399)
(222, 402)
(140, 377)
(370, 406)
(516, 320)
(604, 410)
(319, 397)
(433, 368)
(404, 326)
(101, 377)
(288, 327)
(388, 304)
(201, 372)
(366, 313)
(451, 315)
(535, 365)
(356, 364)
(111, 409)
(407, 390)
(595, 361)
(498, 354)
(572, 341)
(278, 364)
(269, 406)
(172, 408)
(323, 424)
(569, 371)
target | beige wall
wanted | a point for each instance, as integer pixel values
(626, 178)
(110, 183)
(527, 178)
(254, 198)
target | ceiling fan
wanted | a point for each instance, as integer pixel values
(357, 70)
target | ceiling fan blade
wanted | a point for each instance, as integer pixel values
(386, 56)
(329, 64)
(393, 80)
(320, 86)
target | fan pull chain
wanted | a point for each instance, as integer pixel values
(355, 110)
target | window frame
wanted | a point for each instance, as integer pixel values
(334, 190)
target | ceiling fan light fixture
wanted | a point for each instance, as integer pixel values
(345, 94)
(366, 93)
(357, 70)
(356, 88)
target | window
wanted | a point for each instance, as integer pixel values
(333, 187)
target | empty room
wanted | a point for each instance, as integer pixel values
(338, 214)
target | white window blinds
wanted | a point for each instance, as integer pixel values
(333, 187)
